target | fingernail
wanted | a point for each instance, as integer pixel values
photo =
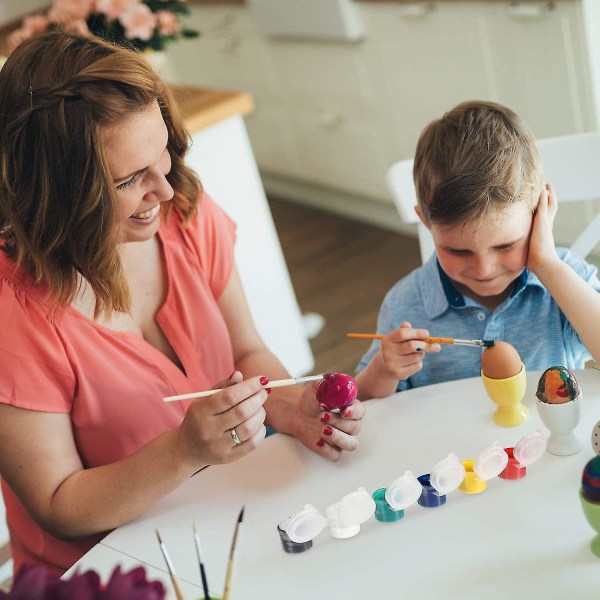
(320, 442)
(325, 417)
(347, 413)
(328, 430)
(232, 374)
(268, 390)
(264, 380)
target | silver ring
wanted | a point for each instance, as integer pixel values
(234, 436)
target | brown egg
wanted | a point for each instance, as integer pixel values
(500, 361)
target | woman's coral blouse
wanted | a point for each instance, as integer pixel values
(112, 383)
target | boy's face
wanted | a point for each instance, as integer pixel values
(483, 259)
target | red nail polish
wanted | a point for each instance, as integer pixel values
(325, 417)
(264, 380)
(328, 430)
(320, 442)
(347, 413)
(268, 390)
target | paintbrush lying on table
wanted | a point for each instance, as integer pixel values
(429, 340)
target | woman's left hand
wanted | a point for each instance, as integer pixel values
(326, 433)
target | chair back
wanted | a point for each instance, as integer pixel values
(571, 165)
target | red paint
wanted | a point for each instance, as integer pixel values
(328, 430)
(336, 391)
(325, 417)
(264, 380)
(320, 442)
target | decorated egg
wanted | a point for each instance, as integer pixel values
(557, 385)
(596, 438)
(590, 481)
(500, 361)
(336, 391)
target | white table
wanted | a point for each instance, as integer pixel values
(518, 539)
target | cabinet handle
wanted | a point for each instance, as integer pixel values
(328, 119)
(415, 10)
(518, 10)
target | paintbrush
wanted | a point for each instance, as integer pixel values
(202, 571)
(229, 573)
(271, 384)
(429, 340)
(170, 568)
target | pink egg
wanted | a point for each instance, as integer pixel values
(336, 391)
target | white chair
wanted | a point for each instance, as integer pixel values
(571, 165)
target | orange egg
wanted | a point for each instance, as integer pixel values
(500, 361)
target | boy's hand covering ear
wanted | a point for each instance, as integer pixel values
(541, 243)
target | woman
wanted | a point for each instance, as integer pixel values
(117, 288)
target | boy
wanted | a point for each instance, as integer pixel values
(496, 273)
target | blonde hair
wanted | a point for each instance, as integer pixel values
(58, 92)
(476, 159)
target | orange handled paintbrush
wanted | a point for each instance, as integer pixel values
(429, 340)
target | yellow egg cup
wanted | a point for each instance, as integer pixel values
(507, 395)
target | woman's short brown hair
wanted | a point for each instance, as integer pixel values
(57, 201)
(478, 157)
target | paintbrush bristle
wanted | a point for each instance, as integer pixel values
(488, 343)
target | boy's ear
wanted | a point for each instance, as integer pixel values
(420, 215)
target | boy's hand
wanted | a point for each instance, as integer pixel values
(541, 243)
(402, 351)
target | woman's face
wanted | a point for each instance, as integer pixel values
(138, 161)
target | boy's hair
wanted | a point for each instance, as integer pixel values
(476, 159)
(58, 94)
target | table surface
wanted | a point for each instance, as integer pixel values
(521, 538)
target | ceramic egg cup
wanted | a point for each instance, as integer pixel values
(591, 510)
(507, 395)
(561, 420)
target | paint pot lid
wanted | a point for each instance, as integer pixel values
(304, 525)
(403, 491)
(530, 447)
(490, 462)
(447, 475)
(353, 509)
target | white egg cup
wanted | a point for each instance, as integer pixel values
(561, 420)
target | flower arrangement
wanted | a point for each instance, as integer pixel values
(35, 583)
(139, 23)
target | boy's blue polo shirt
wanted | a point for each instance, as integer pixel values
(529, 319)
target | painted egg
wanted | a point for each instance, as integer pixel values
(596, 438)
(500, 361)
(557, 385)
(590, 480)
(336, 391)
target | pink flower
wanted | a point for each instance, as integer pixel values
(112, 9)
(36, 23)
(78, 27)
(167, 22)
(17, 37)
(64, 11)
(138, 21)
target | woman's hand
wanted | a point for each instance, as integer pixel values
(542, 250)
(226, 426)
(328, 434)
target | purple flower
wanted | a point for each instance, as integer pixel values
(35, 583)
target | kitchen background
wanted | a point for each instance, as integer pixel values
(342, 90)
